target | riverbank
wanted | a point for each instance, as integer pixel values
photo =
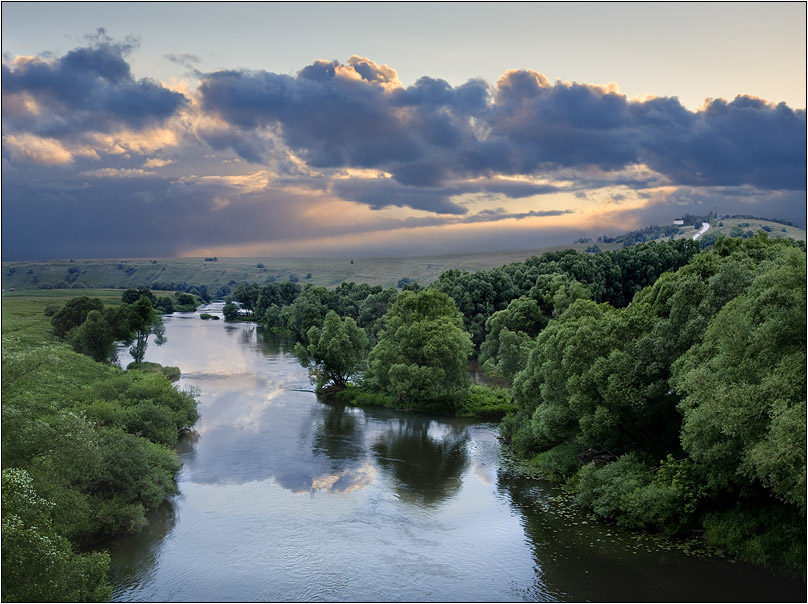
(88, 449)
(284, 498)
(481, 402)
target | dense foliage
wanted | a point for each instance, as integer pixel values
(664, 383)
(94, 330)
(612, 277)
(335, 352)
(87, 449)
(686, 408)
(421, 358)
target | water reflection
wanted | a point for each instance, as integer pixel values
(283, 498)
(578, 559)
(426, 459)
(137, 555)
(270, 343)
(339, 435)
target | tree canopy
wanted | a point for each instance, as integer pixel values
(335, 352)
(421, 358)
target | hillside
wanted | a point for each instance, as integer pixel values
(170, 273)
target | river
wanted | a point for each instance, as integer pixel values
(284, 498)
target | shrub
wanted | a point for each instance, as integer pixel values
(559, 463)
(772, 536)
(485, 402)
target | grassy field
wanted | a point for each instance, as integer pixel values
(27, 339)
(726, 226)
(384, 271)
(137, 272)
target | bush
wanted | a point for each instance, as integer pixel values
(39, 565)
(636, 496)
(771, 536)
(517, 431)
(206, 316)
(485, 402)
(559, 463)
(361, 397)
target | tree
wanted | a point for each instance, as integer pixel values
(744, 386)
(145, 322)
(510, 336)
(335, 352)
(421, 357)
(73, 314)
(94, 337)
(130, 296)
(230, 310)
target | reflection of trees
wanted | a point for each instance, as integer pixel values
(134, 556)
(427, 469)
(270, 342)
(337, 435)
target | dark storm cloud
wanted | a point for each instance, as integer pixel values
(745, 141)
(382, 192)
(89, 89)
(429, 133)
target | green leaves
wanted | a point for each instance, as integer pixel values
(39, 565)
(335, 352)
(744, 385)
(421, 357)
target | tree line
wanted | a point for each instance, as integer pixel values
(95, 330)
(664, 385)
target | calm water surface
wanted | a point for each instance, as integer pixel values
(284, 498)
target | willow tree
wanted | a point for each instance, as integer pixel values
(421, 358)
(335, 352)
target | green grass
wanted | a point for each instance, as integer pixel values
(23, 312)
(27, 342)
(775, 229)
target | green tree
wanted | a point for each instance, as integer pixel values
(145, 322)
(421, 357)
(335, 352)
(73, 314)
(510, 336)
(230, 310)
(130, 296)
(744, 386)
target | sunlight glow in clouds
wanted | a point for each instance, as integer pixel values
(344, 158)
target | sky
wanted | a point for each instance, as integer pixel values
(351, 129)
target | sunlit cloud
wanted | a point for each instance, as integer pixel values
(344, 158)
(157, 163)
(39, 150)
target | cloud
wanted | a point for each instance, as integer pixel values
(118, 173)
(30, 148)
(157, 163)
(266, 161)
(186, 59)
(358, 115)
(741, 142)
(89, 89)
